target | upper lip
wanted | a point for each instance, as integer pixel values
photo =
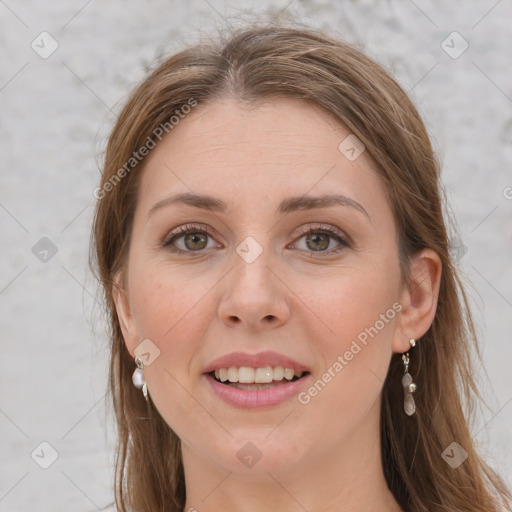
(259, 360)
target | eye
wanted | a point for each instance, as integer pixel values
(318, 239)
(195, 239)
(192, 238)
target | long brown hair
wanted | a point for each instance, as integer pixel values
(260, 63)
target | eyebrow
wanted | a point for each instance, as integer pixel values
(288, 205)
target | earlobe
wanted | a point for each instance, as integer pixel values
(419, 298)
(124, 313)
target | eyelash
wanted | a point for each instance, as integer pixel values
(194, 228)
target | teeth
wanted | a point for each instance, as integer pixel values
(278, 373)
(288, 373)
(232, 374)
(245, 375)
(263, 375)
(248, 375)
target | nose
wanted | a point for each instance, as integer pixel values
(256, 297)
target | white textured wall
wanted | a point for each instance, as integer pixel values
(56, 113)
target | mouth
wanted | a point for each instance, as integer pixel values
(253, 379)
(253, 394)
(260, 380)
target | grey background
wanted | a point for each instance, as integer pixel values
(56, 114)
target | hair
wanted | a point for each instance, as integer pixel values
(255, 64)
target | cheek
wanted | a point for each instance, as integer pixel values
(356, 299)
(167, 303)
(172, 312)
(361, 312)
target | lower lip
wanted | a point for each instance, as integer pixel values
(250, 399)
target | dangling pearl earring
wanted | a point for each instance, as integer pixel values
(408, 385)
(138, 377)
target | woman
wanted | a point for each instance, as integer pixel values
(287, 332)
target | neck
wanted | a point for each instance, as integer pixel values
(349, 479)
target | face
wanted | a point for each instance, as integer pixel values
(278, 282)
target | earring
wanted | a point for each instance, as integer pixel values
(138, 377)
(408, 385)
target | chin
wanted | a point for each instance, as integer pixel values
(260, 456)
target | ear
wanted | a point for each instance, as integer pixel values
(418, 299)
(124, 313)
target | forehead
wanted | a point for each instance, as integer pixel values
(255, 152)
(275, 125)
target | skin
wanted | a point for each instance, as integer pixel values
(195, 307)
